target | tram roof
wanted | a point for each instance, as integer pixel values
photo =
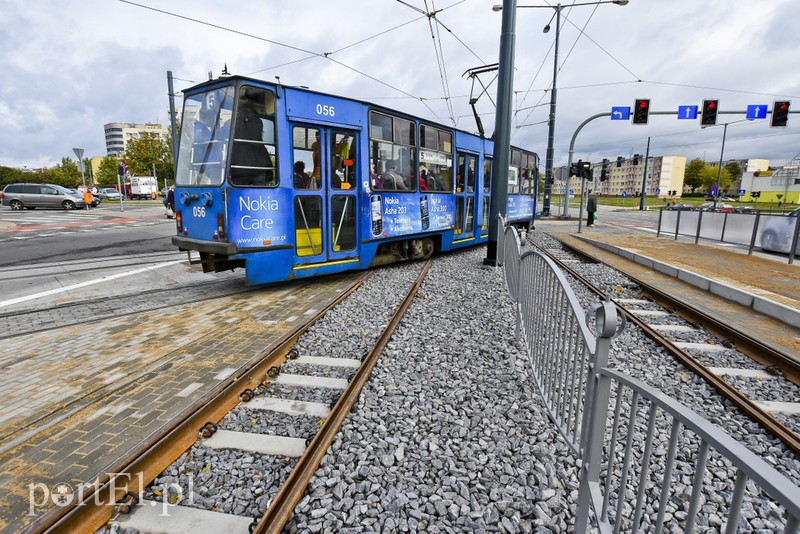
(235, 78)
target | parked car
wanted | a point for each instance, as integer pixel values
(744, 209)
(680, 207)
(32, 196)
(721, 207)
(95, 198)
(109, 193)
(778, 231)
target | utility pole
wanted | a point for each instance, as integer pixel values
(502, 129)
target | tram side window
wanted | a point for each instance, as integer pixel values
(436, 159)
(487, 175)
(529, 174)
(392, 151)
(204, 137)
(465, 173)
(343, 160)
(253, 155)
(305, 153)
(513, 173)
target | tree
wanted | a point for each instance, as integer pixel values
(107, 173)
(141, 153)
(66, 173)
(693, 177)
(734, 170)
(710, 178)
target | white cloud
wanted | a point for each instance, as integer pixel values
(69, 69)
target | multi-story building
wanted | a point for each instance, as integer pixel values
(119, 134)
(625, 176)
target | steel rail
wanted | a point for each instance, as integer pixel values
(95, 505)
(293, 489)
(748, 407)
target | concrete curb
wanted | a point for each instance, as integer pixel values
(765, 306)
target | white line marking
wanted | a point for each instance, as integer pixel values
(86, 283)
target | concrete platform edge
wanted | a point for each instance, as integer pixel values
(762, 305)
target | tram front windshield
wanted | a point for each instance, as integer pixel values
(205, 132)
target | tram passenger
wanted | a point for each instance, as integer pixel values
(391, 178)
(375, 183)
(301, 179)
(423, 178)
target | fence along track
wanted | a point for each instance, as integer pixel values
(598, 410)
(757, 350)
(92, 508)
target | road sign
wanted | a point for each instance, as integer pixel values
(714, 189)
(756, 112)
(687, 112)
(620, 113)
(742, 192)
(658, 190)
(624, 194)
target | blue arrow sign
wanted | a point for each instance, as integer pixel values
(624, 194)
(741, 192)
(756, 111)
(620, 113)
(687, 112)
(658, 190)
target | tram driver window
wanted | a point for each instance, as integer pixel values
(204, 137)
(392, 151)
(253, 156)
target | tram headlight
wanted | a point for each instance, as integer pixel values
(185, 198)
(206, 199)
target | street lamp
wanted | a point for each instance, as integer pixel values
(548, 172)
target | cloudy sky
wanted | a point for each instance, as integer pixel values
(70, 67)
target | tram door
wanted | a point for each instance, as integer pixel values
(465, 194)
(325, 177)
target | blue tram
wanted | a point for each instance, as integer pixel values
(287, 183)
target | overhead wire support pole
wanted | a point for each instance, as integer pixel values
(502, 129)
(551, 126)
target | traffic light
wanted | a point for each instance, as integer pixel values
(573, 169)
(603, 174)
(780, 113)
(710, 108)
(755, 194)
(636, 159)
(641, 111)
(619, 161)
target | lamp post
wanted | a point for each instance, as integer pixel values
(551, 133)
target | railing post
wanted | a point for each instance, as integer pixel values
(699, 225)
(660, 215)
(608, 325)
(755, 232)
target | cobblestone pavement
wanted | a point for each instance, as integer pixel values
(73, 400)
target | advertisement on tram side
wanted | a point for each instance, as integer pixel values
(393, 214)
(257, 217)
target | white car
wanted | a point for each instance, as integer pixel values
(109, 193)
(778, 233)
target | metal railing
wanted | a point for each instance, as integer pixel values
(772, 231)
(632, 478)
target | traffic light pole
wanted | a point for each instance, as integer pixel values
(719, 170)
(644, 178)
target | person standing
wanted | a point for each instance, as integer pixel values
(591, 208)
(171, 202)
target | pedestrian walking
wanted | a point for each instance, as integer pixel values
(591, 208)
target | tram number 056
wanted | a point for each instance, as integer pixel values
(199, 211)
(328, 111)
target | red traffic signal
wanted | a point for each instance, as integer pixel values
(641, 111)
(710, 108)
(780, 113)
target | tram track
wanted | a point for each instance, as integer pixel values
(154, 456)
(648, 312)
